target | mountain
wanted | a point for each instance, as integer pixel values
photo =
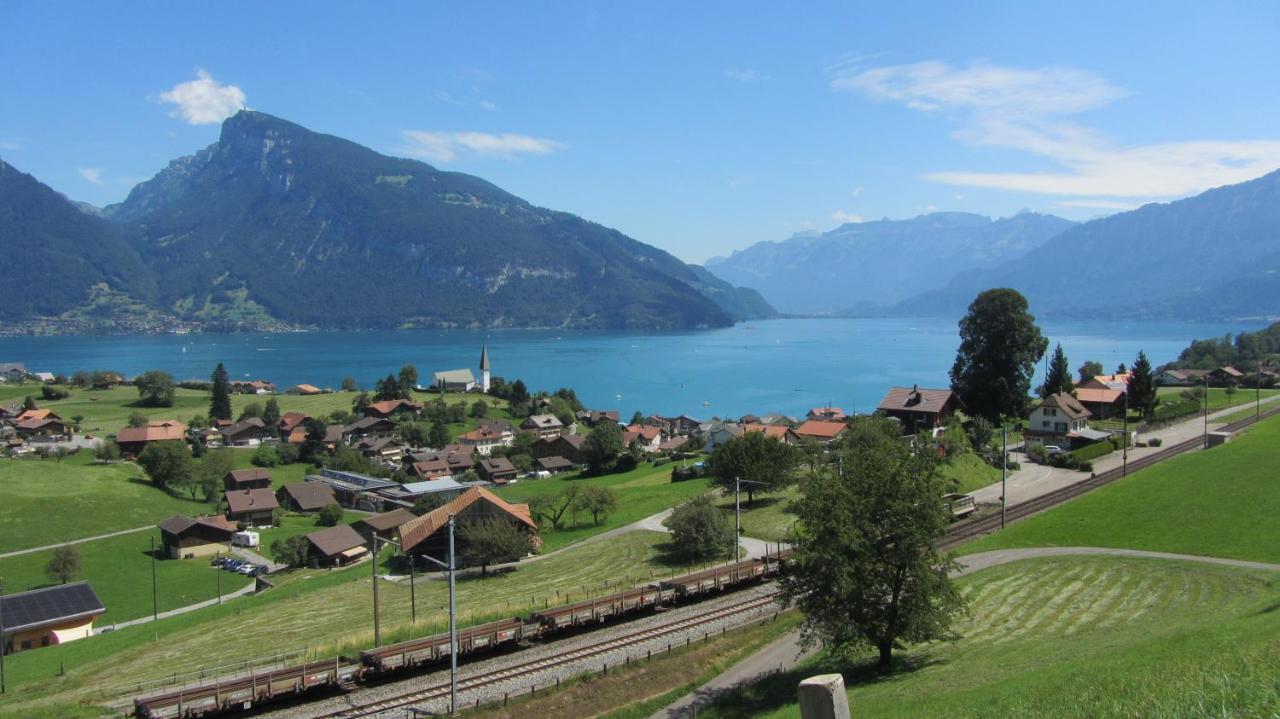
(875, 264)
(56, 257)
(1215, 256)
(317, 230)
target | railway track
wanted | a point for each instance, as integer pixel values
(440, 691)
(962, 533)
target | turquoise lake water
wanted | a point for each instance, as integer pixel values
(757, 367)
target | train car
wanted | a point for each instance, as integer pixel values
(245, 692)
(716, 578)
(959, 505)
(413, 652)
(599, 609)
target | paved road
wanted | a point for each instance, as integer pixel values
(20, 552)
(1033, 480)
(785, 653)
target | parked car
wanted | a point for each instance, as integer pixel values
(1051, 450)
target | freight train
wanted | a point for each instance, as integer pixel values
(241, 693)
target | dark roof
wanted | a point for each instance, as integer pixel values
(179, 523)
(554, 463)
(310, 496)
(484, 357)
(335, 540)
(497, 465)
(244, 425)
(251, 500)
(1069, 405)
(915, 399)
(417, 530)
(387, 520)
(240, 476)
(38, 607)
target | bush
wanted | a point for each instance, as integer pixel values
(50, 392)
(1094, 451)
(288, 453)
(329, 515)
(1155, 442)
(265, 456)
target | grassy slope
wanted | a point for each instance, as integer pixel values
(641, 492)
(1221, 502)
(969, 472)
(333, 614)
(43, 501)
(1076, 637)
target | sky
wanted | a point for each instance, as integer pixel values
(699, 128)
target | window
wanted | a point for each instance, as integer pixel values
(44, 641)
(1045, 424)
(26, 643)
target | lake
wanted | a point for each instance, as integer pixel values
(755, 367)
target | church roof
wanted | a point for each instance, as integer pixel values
(484, 357)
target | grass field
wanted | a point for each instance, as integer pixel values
(969, 472)
(334, 614)
(44, 502)
(1076, 637)
(642, 492)
(1220, 502)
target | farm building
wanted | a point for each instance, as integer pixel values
(183, 537)
(51, 615)
(133, 440)
(336, 546)
(306, 496)
(252, 478)
(428, 533)
(251, 507)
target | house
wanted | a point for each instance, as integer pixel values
(568, 446)
(292, 420)
(251, 507)
(431, 468)
(554, 465)
(383, 450)
(48, 427)
(133, 440)
(674, 444)
(304, 389)
(382, 525)
(257, 386)
(1060, 418)
(252, 478)
(719, 433)
(543, 425)
(820, 431)
(748, 419)
(50, 615)
(1180, 377)
(1224, 376)
(498, 470)
(184, 537)
(306, 496)
(404, 494)
(335, 546)
(428, 534)
(827, 414)
(484, 438)
(1101, 403)
(13, 372)
(780, 432)
(332, 436)
(390, 408)
(460, 458)
(1108, 381)
(647, 437)
(246, 433)
(778, 418)
(44, 377)
(367, 427)
(352, 489)
(454, 380)
(592, 417)
(919, 409)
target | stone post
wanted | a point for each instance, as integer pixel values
(823, 697)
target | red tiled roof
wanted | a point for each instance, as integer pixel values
(415, 531)
(819, 428)
(1100, 396)
(915, 399)
(153, 432)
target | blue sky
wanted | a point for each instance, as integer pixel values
(696, 127)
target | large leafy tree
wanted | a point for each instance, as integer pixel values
(1142, 387)
(220, 403)
(155, 388)
(762, 463)
(999, 347)
(1059, 378)
(168, 463)
(866, 571)
(408, 380)
(596, 501)
(64, 565)
(700, 531)
(492, 541)
(1089, 370)
(602, 447)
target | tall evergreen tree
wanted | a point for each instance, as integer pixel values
(271, 415)
(999, 347)
(1059, 379)
(220, 404)
(1142, 387)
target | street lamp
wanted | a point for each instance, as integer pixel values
(452, 567)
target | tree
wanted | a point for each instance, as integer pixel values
(425, 503)
(762, 463)
(596, 501)
(64, 565)
(107, 451)
(637, 418)
(253, 409)
(271, 415)
(1059, 378)
(519, 392)
(553, 507)
(29, 402)
(167, 463)
(155, 389)
(349, 384)
(209, 474)
(137, 419)
(361, 403)
(415, 434)
(1142, 388)
(491, 541)
(291, 551)
(602, 447)
(265, 456)
(1230, 389)
(480, 409)
(408, 379)
(49, 392)
(329, 516)
(1089, 370)
(220, 402)
(866, 570)
(999, 347)
(699, 531)
(438, 437)
(387, 388)
(312, 448)
(1121, 369)
(980, 433)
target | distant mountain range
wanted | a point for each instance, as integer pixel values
(868, 267)
(277, 225)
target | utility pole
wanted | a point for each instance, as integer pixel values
(1004, 471)
(453, 626)
(373, 566)
(413, 597)
(219, 575)
(155, 602)
(2, 642)
(737, 514)
(1257, 396)
(1206, 411)
(1125, 443)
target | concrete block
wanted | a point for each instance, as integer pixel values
(823, 697)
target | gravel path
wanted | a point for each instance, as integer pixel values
(20, 552)
(548, 677)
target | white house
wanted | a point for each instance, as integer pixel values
(455, 380)
(1061, 418)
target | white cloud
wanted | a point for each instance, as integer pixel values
(857, 191)
(1028, 110)
(92, 174)
(1100, 204)
(489, 105)
(746, 76)
(842, 217)
(10, 145)
(204, 101)
(447, 146)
